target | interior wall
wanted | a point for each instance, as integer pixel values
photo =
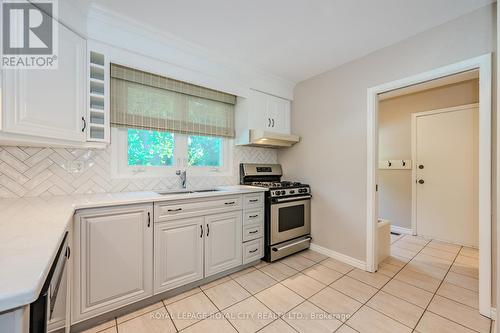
(329, 113)
(394, 122)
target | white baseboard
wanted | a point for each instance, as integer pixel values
(339, 256)
(493, 314)
(401, 230)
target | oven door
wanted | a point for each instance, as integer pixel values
(290, 218)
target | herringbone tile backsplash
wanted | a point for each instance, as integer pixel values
(28, 172)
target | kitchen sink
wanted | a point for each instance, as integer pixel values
(188, 191)
(209, 190)
(174, 192)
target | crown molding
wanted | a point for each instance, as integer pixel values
(124, 32)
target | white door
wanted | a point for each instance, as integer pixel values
(178, 253)
(49, 103)
(113, 259)
(222, 242)
(447, 176)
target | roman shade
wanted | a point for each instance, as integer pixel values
(148, 101)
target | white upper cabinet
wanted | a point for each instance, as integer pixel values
(49, 103)
(261, 112)
(266, 112)
(277, 117)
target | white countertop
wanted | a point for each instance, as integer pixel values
(31, 230)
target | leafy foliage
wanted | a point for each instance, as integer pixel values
(150, 148)
(156, 148)
(204, 151)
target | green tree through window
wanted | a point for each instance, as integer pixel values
(204, 151)
(150, 148)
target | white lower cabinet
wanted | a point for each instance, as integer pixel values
(178, 253)
(222, 242)
(189, 249)
(122, 256)
(113, 261)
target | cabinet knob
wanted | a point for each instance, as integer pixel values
(421, 181)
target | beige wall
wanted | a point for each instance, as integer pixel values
(329, 113)
(395, 142)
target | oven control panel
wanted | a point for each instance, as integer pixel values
(289, 192)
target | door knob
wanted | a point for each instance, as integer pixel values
(421, 181)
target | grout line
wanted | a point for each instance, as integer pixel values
(170, 316)
(220, 311)
(306, 299)
(379, 289)
(434, 295)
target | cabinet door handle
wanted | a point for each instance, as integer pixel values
(268, 122)
(253, 216)
(253, 251)
(253, 232)
(253, 200)
(149, 219)
(175, 210)
(208, 230)
(68, 252)
(201, 230)
(84, 124)
(273, 123)
(229, 203)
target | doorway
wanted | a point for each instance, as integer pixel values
(483, 65)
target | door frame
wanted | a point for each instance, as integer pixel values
(414, 117)
(483, 64)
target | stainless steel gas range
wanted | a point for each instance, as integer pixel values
(288, 209)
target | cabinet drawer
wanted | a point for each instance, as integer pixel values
(253, 200)
(253, 250)
(253, 231)
(253, 216)
(173, 210)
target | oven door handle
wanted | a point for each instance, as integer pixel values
(278, 248)
(304, 197)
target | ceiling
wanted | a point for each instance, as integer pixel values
(293, 39)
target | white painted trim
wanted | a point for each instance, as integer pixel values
(413, 140)
(493, 313)
(401, 230)
(339, 256)
(483, 63)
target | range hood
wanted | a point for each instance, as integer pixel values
(261, 138)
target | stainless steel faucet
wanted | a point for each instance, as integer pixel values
(182, 174)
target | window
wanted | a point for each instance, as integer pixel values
(151, 153)
(160, 125)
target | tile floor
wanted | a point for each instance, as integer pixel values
(425, 287)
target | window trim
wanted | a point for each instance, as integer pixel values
(121, 169)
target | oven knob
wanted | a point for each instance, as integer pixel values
(283, 192)
(292, 192)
